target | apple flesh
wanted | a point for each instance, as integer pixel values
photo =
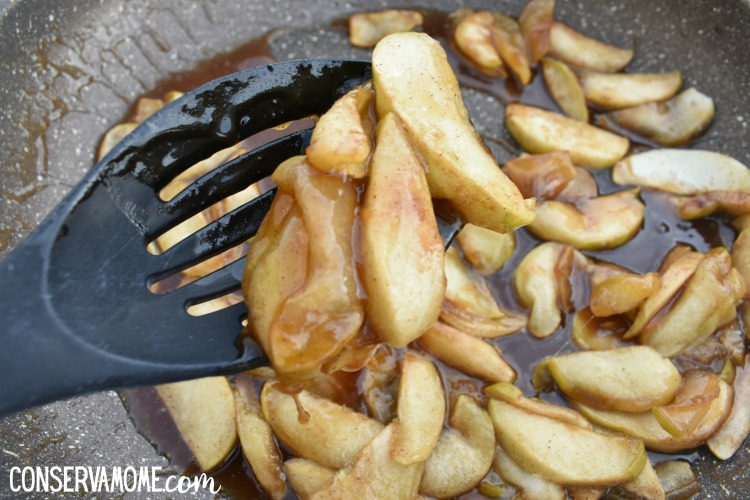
(632, 379)
(401, 249)
(420, 87)
(562, 453)
(623, 90)
(366, 29)
(541, 131)
(463, 454)
(599, 223)
(563, 84)
(203, 411)
(577, 49)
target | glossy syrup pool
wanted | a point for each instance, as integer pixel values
(661, 231)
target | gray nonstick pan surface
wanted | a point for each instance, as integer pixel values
(70, 69)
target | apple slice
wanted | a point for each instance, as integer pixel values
(732, 203)
(412, 77)
(341, 143)
(306, 477)
(366, 29)
(623, 90)
(113, 137)
(707, 302)
(577, 49)
(541, 131)
(539, 289)
(318, 319)
(536, 20)
(599, 223)
(741, 254)
(730, 437)
(683, 171)
(596, 333)
(420, 411)
(473, 356)
(259, 445)
(203, 411)
(530, 485)
(563, 84)
(672, 278)
(646, 485)
(401, 249)
(632, 379)
(645, 427)
(691, 402)
(510, 44)
(671, 123)
(509, 393)
(380, 384)
(473, 36)
(374, 474)
(463, 454)
(469, 304)
(543, 176)
(622, 293)
(562, 453)
(485, 249)
(333, 435)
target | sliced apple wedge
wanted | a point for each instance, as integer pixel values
(741, 254)
(401, 249)
(530, 485)
(333, 435)
(645, 427)
(463, 454)
(509, 393)
(538, 288)
(596, 224)
(730, 437)
(306, 477)
(374, 474)
(316, 321)
(596, 333)
(577, 49)
(203, 411)
(259, 445)
(691, 403)
(646, 485)
(510, 44)
(412, 77)
(543, 176)
(473, 36)
(622, 293)
(632, 379)
(485, 249)
(672, 277)
(113, 137)
(469, 304)
(707, 302)
(341, 141)
(562, 453)
(732, 203)
(536, 20)
(683, 171)
(541, 131)
(624, 90)
(420, 411)
(563, 84)
(672, 123)
(467, 353)
(366, 29)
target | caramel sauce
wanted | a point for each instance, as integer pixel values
(662, 229)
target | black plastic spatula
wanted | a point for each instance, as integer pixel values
(77, 312)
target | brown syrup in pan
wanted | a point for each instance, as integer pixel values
(661, 231)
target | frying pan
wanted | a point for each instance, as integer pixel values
(70, 70)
